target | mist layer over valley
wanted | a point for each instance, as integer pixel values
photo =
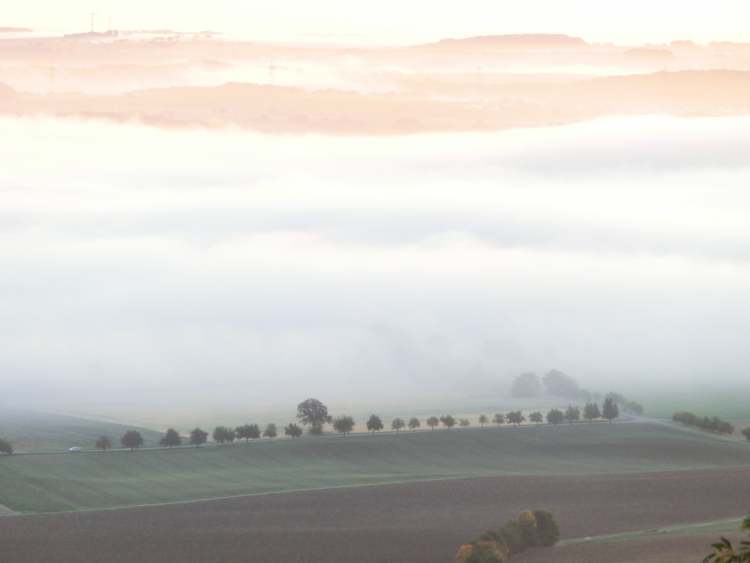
(216, 267)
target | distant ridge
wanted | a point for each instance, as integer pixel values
(513, 41)
(15, 30)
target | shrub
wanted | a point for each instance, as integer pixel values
(547, 530)
(712, 424)
(513, 536)
(483, 551)
(527, 521)
(746, 433)
(531, 529)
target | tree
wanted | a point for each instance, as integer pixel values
(221, 434)
(247, 431)
(314, 414)
(343, 424)
(610, 410)
(198, 437)
(293, 430)
(483, 419)
(6, 447)
(561, 385)
(132, 439)
(448, 421)
(464, 422)
(499, 419)
(536, 417)
(746, 433)
(414, 424)
(103, 443)
(516, 418)
(374, 424)
(591, 412)
(526, 385)
(572, 414)
(271, 431)
(555, 416)
(432, 422)
(171, 438)
(398, 424)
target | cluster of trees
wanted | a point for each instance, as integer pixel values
(531, 529)
(710, 424)
(725, 552)
(559, 384)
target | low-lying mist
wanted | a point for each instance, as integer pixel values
(147, 267)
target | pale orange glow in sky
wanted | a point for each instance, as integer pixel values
(399, 20)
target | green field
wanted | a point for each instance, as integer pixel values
(56, 482)
(34, 431)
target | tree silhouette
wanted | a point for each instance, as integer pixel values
(432, 422)
(374, 424)
(499, 419)
(555, 416)
(198, 437)
(398, 424)
(414, 424)
(314, 414)
(516, 418)
(270, 431)
(536, 417)
(103, 443)
(293, 430)
(132, 439)
(610, 411)
(448, 421)
(343, 424)
(483, 420)
(572, 414)
(591, 411)
(171, 438)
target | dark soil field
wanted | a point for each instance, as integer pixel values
(409, 523)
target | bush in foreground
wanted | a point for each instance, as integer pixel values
(746, 433)
(531, 529)
(725, 552)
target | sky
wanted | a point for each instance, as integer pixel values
(635, 21)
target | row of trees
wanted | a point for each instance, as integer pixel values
(133, 439)
(314, 414)
(531, 529)
(345, 424)
(710, 424)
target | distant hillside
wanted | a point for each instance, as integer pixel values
(15, 30)
(529, 41)
(31, 431)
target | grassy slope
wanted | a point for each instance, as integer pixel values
(96, 480)
(33, 431)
